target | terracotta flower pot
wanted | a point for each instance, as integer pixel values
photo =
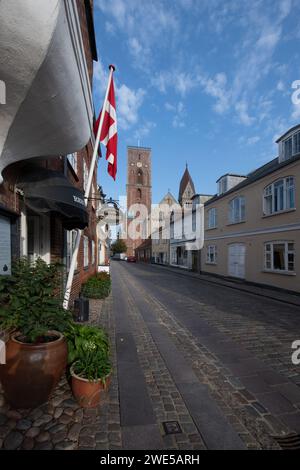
(86, 392)
(32, 371)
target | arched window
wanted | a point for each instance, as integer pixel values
(139, 193)
(140, 177)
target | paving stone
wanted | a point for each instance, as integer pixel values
(23, 424)
(87, 441)
(32, 432)
(74, 432)
(4, 430)
(43, 437)
(3, 419)
(15, 415)
(70, 403)
(13, 441)
(59, 436)
(57, 428)
(78, 415)
(275, 403)
(35, 414)
(28, 443)
(65, 445)
(290, 391)
(44, 446)
(42, 420)
(292, 421)
(101, 437)
(261, 409)
(58, 412)
(65, 419)
(69, 411)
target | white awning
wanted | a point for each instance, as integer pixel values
(49, 106)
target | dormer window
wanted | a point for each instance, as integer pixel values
(222, 185)
(289, 146)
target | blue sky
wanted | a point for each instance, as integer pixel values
(208, 82)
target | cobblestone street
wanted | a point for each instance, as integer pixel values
(215, 360)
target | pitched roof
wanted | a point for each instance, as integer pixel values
(184, 182)
(255, 175)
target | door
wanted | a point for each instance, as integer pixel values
(38, 237)
(236, 260)
(5, 246)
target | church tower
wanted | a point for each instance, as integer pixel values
(186, 189)
(139, 186)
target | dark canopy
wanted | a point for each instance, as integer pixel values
(50, 191)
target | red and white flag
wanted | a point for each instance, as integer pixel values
(109, 136)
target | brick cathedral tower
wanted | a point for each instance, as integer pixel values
(139, 188)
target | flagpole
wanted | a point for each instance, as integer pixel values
(86, 194)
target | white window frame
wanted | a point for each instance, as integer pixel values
(73, 160)
(85, 252)
(269, 256)
(211, 254)
(93, 253)
(212, 218)
(288, 184)
(85, 173)
(241, 209)
(71, 240)
(291, 146)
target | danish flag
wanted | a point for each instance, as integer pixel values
(109, 135)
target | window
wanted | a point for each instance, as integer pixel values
(212, 218)
(71, 240)
(85, 252)
(139, 193)
(211, 255)
(85, 175)
(279, 196)
(140, 177)
(291, 146)
(93, 252)
(72, 159)
(223, 186)
(237, 210)
(280, 256)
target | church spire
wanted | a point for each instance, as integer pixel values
(186, 187)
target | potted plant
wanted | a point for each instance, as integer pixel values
(97, 286)
(90, 369)
(36, 353)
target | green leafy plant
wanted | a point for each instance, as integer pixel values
(98, 286)
(93, 366)
(88, 351)
(30, 301)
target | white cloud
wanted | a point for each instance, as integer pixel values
(253, 140)
(241, 108)
(179, 113)
(109, 27)
(144, 130)
(217, 88)
(128, 100)
(280, 86)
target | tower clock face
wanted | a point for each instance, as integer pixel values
(139, 164)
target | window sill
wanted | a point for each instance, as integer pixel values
(211, 228)
(211, 264)
(284, 273)
(285, 211)
(236, 223)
